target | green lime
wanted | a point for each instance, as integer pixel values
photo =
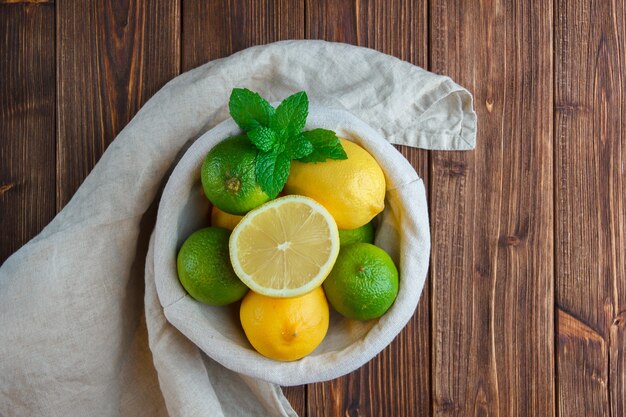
(363, 234)
(228, 176)
(205, 270)
(363, 284)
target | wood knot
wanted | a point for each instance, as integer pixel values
(619, 320)
(511, 240)
(353, 409)
(457, 169)
(483, 270)
(571, 330)
(481, 397)
(6, 187)
(454, 168)
(446, 405)
(489, 104)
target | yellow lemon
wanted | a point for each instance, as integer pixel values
(352, 190)
(224, 220)
(285, 329)
(285, 247)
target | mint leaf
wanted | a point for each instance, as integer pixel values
(249, 110)
(326, 145)
(299, 147)
(272, 170)
(264, 138)
(291, 114)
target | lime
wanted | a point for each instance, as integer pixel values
(363, 283)
(204, 268)
(363, 234)
(228, 176)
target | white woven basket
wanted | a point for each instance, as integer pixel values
(403, 232)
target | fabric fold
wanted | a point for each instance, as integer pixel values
(194, 385)
(72, 299)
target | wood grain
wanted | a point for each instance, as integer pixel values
(590, 135)
(216, 29)
(26, 1)
(582, 363)
(111, 57)
(397, 382)
(617, 365)
(491, 214)
(482, 341)
(331, 20)
(297, 398)
(27, 144)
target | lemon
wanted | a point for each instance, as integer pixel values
(363, 234)
(364, 282)
(285, 247)
(224, 220)
(204, 268)
(352, 190)
(285, 329)
(228, 176)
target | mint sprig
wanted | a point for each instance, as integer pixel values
(277, 134)
(325, 146)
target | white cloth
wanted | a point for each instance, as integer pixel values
(75, 337)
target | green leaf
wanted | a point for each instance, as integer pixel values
(249, 110)
(264, 138)
(299, 147)
(291, 114)
(326, 145)
(272, 170)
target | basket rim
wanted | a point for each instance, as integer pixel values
(183, 312)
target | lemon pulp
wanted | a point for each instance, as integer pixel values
(286, 247)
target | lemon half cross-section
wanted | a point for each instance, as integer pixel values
(286, 247)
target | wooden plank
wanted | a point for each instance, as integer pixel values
(491, 214)
(26, 1)
(216, 29)
(334, 21)
(617, 365)
(27, 104)
(112, 56)
(590, 134)
(297, 398)
(582, 369)
(397, 382)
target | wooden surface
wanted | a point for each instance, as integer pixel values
(492, 298)
(524, 311)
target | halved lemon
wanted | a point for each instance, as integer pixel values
(286, 247)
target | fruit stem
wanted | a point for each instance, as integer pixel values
(232, 185)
